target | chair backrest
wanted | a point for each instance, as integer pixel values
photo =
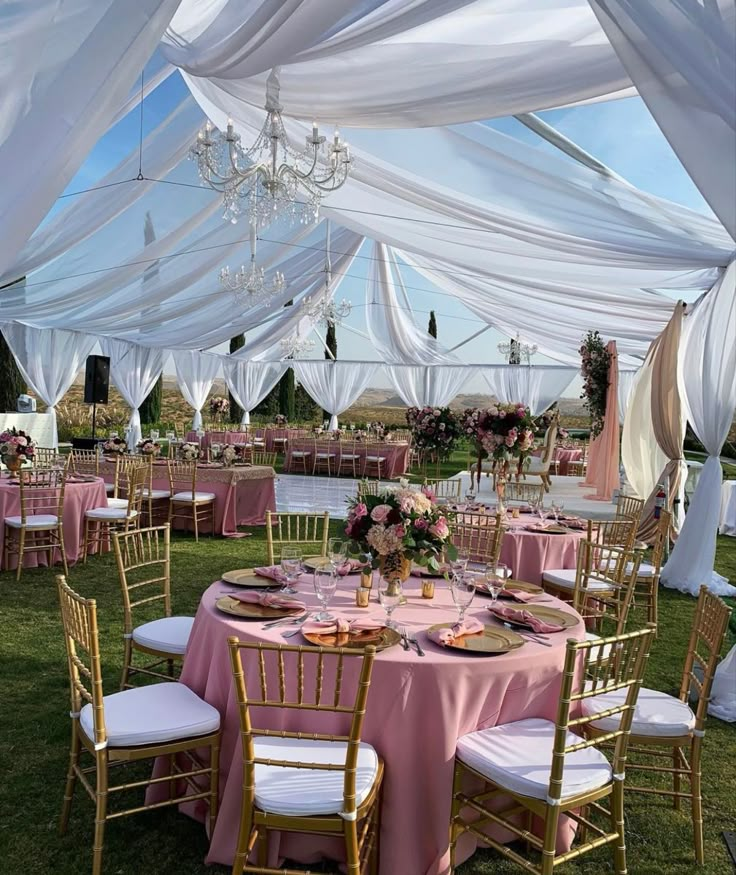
(41, 492)
(182, 476)
(549, 444)
(450, 488)
(615, 533)
(369, 487)
(144, 569)
(134, 478)
(629, 508)
(706, 639)
(661, 537)
(280, 682)
(482, 542)
(469, 518)
(296, 528)
(261, 457)
(45, 457)
(85, 462)
(79, 621)
(523, 492)
(588, 672)
(605, 583)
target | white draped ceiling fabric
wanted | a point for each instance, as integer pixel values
(134, 370)
(195, 374)
(626, 382)
(709, 381)
(49, 360)
(430, 386)
(335, 386)
(537, 387)
(250, 382)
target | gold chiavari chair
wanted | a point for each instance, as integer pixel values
(100, 522)
(144, 571)
(45, 457)
(546, 767)
(39, 527)
(186, 502)
(629, 508)
(524, 493)
(614, 533)
(302, 457)
(599, 571)
(449, 488)
(579, 467)
(349, 458)
(373, 461)
(261, 457)
(665, 726)
(341, 791)
(137, 724)
(124, 466)
(155, 501)
(325, 457)
(368, 487)
(482, 542)
(402, 435)
(280, 439)
(470, 517)
(646, 594)
(296, 529)
(84, 462)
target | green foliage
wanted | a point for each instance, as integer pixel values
(12, 383)
(287, 399)
(331, 343)
(594, 367)
(151, 407)
(236, 412)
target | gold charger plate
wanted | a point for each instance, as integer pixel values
(548, 615)
(246, 611)
(381, 639)
(513, 586)
(247, 577)
(311, 563)
(490, 641)
(549, 530)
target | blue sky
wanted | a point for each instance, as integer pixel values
(622, 134)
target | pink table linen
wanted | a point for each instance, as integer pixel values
(417, 708)
(529, 554)
(268, 435)
(78, 499)
(563, 456)
(396, 455)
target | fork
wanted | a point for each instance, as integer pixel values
(404, 637)
(530, 636)
(411, 637)
(287, 621)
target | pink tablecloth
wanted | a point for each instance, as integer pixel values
(563, 456)
(268, 435)
(395, 454)
(78, 499)
(529, 554)
(417, 709)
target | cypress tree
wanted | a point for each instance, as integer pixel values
(151, 407)
(236, 412)
(287, 399)
(432, 328)
(331, 344)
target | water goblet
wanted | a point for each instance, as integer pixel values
(336, 550)
(542, 511)
(154, 435)
(291, 565)
(390, 599)
(325, 584)
(460, 562)
(462, 588)
(495, 579)
(557, 508)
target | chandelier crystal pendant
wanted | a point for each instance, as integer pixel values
(516, 351)
(249, 285)
(295, 346)
(273, 176)
(325, 310)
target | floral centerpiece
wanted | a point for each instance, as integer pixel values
(189, 452)
(501, 432)
(230, 453)
(434, 430)
(219, 407)
(280, 420)
(397, 527)
(148, 447)
(16, 447)
(114, 446)
(594, 367)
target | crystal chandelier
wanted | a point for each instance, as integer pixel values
(516, 351)
(295, 346)
(274, 176)
(250, 286)
(325, 310)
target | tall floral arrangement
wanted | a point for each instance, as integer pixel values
(433, 429)
(594, 367)
(219, 408)
(115, 445)
(188, 452)
(148, 447)
(17, 444)
(501, 432)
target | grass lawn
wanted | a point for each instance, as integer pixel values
(35, 730)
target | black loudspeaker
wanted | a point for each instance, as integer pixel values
(96, 379)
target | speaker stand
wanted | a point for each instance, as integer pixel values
(94, 420)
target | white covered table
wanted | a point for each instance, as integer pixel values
(727, 524)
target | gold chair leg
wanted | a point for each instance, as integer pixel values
(127, 659)
(549, 848)
(100, 812)
(617, 825)
(21, 546)
(262, 849)
(697, 800)
(71, 780)
(350, 832)
(676, 779)
(214, 785)
(454, 815)
(62, 548)
(196, 522)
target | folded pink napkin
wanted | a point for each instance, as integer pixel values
(351, 566)
(267, 599)
(340, 624)
(448, 635)
(518, 595)
(272, 572)
(524, 618)
(426, 572)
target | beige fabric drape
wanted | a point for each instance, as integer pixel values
(668, 422)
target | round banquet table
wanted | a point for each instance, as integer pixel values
(79, 497)
(727, 524)
(530, 554)
(417, 709)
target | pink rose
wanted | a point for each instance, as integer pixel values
(427, 490)
(360, 510)
(440, 529)
(510, 441)
(380, 512)
(399, 530)
(421, 524)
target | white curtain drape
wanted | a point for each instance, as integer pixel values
(433, 386)
(134, 370)
(708, 353)
(537, 387)
(681, 57)
(250, 382)
(68, 65)
(626, 382)
(334, 385)
(49, 360)
(195, 374)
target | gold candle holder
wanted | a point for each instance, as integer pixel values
(427, 589)
(515, 513)
(366, 579)
(362, 596)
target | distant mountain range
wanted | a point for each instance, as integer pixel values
(387, 398)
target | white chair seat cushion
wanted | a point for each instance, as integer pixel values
(657, 714)
(33, 521)
(299, 454)
(153, 715)
(325, 455)
(156, 493)
(117, 502)
(565, 578)
(109, 487)
(645, 569)
(301, 792)
(169, 634)
(349, 456)
(110, 513)
(518, 757)
(536, 465)
(591, 636)
(196, 496)
(375, 458)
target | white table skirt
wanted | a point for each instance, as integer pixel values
(727, 525)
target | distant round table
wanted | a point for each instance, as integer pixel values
(417, 709)
(727, 524)
(529, 554)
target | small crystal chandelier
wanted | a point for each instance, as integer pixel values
(325, 310)
(250, 286)
(295, 346)
(516, 351)
(273, 175)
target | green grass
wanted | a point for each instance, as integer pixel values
(35, 728)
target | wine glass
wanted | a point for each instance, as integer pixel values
(542, 511)
(462, 587)
(495, 579)
(557, 508)
(336, 550)
(291, 565)
(325, 584)
(460, 562)
(390, 598)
